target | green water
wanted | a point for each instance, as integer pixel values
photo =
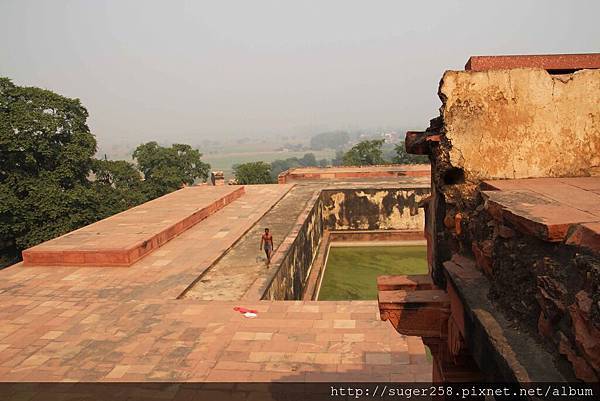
(351, 272)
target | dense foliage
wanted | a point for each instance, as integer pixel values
(365, 153)
(166, 169)
(50, 183)
(253, 173)
(46, 153)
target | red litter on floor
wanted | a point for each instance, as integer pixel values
(246, 312)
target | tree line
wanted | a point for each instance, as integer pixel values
(364, 153)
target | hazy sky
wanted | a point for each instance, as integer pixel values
(187, 70)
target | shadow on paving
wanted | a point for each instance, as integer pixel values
(298, 385)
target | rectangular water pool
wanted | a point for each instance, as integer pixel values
(351, 272)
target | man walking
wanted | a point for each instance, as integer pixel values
(267, 241)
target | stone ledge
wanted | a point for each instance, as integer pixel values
(551, 209)
(349, 172)
(405, 283)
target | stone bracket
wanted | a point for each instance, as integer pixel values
(419, 143)
(413, 311)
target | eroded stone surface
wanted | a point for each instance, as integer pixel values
(375, 208)
(521, 123)
(535, 240)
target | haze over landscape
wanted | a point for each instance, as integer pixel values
(191, 71)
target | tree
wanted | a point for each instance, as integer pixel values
(121, 181)
(167, 169)
(403, 157)
(365, 153)
(308, 160)
(330, 140)
(279, 166)
(47, 150)
(338, 160)
(253, 173)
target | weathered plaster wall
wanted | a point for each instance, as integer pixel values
(374, 209)
(522, 123)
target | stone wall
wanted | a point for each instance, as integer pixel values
(297, 254)
(507, 124)
(374, 208)
(353, 172)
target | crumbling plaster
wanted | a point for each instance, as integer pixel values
(522, 123)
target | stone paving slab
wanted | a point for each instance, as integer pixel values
(124, 238)
(181, 340)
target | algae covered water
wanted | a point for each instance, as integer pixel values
(351, 272)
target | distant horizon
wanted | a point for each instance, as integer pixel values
(189, 71)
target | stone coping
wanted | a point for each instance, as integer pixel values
(354, 172)
(552, 62)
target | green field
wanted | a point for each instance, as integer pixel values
(351, 272)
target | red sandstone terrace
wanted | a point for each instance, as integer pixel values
(549, 208)
(83, 322)
(351, 172)
(124, 238)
